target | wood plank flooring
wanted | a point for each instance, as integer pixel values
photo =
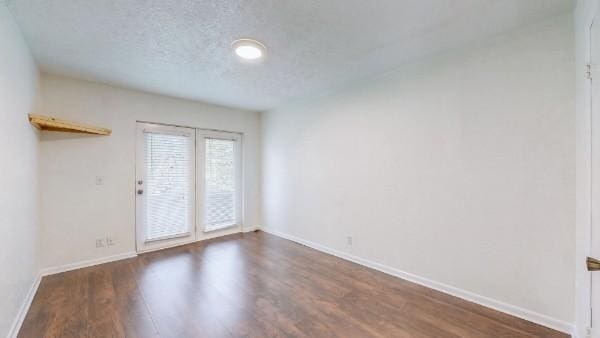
(253, 285)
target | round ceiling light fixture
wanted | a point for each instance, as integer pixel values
(249, 49)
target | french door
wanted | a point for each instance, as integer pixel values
(219, 182)
(188, 185)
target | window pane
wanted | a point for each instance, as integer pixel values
(220, 183)
(169, 192)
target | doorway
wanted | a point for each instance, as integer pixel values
(188, 185)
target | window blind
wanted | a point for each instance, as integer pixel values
(169, 186)
(220, 183)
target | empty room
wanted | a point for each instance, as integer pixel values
(287, 168)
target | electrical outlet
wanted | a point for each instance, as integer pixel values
(109, 241)
(349, 240)
(99, 243)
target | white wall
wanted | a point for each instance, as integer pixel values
(583, 16)
(458, 168)
(74, 210)
(18, 182)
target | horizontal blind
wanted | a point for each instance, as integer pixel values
(220, 183)
(169, 194)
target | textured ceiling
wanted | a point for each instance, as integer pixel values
(182, 47)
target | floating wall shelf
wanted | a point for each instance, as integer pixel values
(54, 124)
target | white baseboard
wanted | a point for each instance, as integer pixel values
(92, 262)
(86, 263)
(516, 311)
(16, 326)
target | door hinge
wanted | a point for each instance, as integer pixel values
(588, 71)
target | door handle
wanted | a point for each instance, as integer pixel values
(592, 264)
(140, 192)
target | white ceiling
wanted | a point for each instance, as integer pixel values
(182, 47)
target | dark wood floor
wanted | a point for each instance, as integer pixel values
(253, 285)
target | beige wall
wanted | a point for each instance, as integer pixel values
(74, 210)
(459, 170)
(18, 181)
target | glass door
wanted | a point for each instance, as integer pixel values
(219, 183)
(165, 186)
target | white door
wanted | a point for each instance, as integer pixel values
(594, 61)
(165, 186)
(219, 176)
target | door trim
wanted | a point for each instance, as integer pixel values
(584, 246)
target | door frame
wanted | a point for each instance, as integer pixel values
(199, 234)
(588, 226)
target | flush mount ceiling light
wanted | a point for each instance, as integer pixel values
(249, 49)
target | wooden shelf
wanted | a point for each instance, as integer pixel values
(54, 124)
